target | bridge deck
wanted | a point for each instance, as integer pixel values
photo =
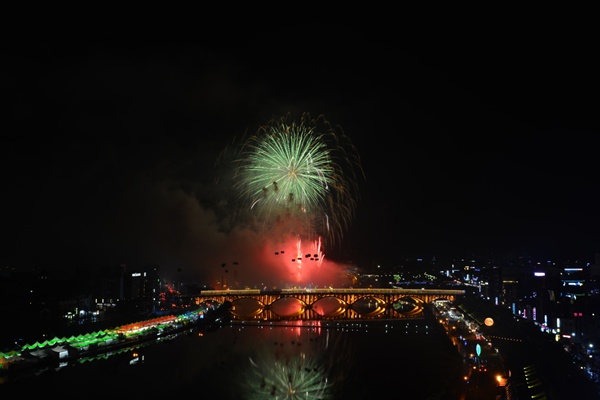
(327, 303)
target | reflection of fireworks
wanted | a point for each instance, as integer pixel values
(291, 378)
(300, 177)
(310, 367)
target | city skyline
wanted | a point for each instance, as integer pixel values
(470, 144)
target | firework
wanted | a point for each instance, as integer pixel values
(299, 178)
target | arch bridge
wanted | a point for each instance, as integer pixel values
(318, 304)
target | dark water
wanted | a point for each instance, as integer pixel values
(400, 359)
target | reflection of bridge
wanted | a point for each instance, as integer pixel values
(317, 304)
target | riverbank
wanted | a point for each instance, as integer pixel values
(58, 352)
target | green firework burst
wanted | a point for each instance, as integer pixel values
(300, 173)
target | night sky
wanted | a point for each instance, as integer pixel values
(475, 140)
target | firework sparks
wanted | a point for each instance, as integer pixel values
(299, 177)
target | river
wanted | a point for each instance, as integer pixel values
(404, 358)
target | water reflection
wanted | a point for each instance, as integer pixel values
(296, 362)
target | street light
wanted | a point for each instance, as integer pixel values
(501, 380)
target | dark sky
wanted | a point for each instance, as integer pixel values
(475, 139)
